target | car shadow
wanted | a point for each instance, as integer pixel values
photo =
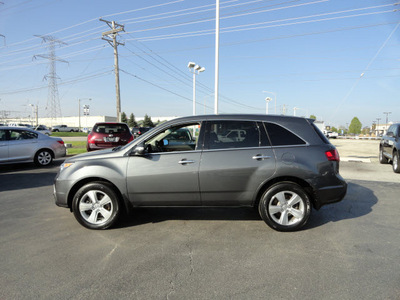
(357, 203)
(27, 175)
(140, 216)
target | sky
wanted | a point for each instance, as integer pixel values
(335, 59)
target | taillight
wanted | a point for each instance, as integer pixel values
(61, 142)
(130, 139)
(91, 138)
(332, 155)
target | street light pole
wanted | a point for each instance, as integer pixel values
(267, 100)
(216, 83)
(193, 67)
(275, 95)
(79, 110)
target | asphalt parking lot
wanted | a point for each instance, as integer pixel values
(349, 250)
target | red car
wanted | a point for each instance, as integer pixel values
(108, 135)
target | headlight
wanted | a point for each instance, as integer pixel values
(65, 165)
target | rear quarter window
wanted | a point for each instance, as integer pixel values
(320, 134)
(280, 136)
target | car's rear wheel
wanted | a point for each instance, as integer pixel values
(396, 166)
(382, 157)
(43, 158)
(96, 206)
(285, 207)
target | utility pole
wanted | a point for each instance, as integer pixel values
(52, 99)
(387, 114)
(111, 37)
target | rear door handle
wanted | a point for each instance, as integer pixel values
(261, 157)
(184, 162)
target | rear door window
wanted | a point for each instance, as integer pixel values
(22, 135)
(234, 134)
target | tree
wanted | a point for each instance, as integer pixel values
(132, 122)
(313, 117)
(124, 119)
(147, 122)
(334, 129)
(355, 126)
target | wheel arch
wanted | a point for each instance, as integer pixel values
(47, 149)
(124, 204)
(290, 179)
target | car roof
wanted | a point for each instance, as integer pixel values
(17, 127)
(244, 117)
(110, 123)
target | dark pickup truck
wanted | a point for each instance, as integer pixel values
(389, 147)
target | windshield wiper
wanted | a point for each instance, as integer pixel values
(116, 148)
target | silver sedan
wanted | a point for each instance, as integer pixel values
(18, 144)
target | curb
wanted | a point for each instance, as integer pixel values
(355, 159)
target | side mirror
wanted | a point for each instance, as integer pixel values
(139, 150)
(166, 142)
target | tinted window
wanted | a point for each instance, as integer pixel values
(280, 136)
(233, 134)
(111, 128)
(2, 135)
(22, 135)
(394, 129)
(320, 134)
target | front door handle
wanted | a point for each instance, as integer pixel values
(184, 162)
(261, 157)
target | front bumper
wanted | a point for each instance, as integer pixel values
(60, 192)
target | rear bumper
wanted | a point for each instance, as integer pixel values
(330, 194)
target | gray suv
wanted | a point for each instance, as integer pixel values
(281, 165)
(389, 147)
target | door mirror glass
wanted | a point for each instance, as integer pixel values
(139, 150)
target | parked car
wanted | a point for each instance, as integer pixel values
(43, 129)
(389, 147)
(64, 128)
(13, 124)
(138, 131)
(331, 134)
(108, 135)
(283, 167)
(18, 144)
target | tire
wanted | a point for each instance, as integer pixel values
(96, 206)
(395, 165)
(285, 206)
(71, 130)
(55, 130)
(43, 158)
(382, 157)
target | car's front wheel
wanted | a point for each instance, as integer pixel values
(382, 157)
(95, 206)
(285, 206)
(396, 166)
(43, 158)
